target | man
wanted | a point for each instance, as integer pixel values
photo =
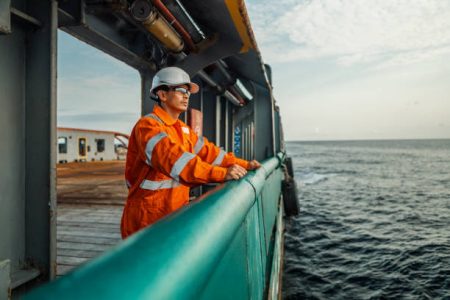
(165, 156)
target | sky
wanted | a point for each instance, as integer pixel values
(95, 91)
(342, 70)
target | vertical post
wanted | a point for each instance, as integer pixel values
(277, 131)
(201, 95)
(5, 16)
(53, 134)
(227, 115)
(218, 120)
(40, 135)
(264, 146)
(146, 83)
(245, 139)
(272, 110)
(252, 140)
(209, 114)
(5, 280)
(12, 145)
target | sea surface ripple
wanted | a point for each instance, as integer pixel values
(374, 221)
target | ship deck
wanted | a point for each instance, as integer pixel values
(90, 201)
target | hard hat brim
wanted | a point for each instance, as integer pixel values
(193, 88)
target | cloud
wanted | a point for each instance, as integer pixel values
(414, 56)
(350, 31)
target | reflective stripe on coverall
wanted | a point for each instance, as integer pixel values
(164, 158)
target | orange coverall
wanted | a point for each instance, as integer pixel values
(164, 157)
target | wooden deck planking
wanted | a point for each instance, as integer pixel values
(86, 240)
(90, 202)
(92, 234)
(88, 224)
(79, 246)
(63, 229)
(71, 260)
(79, 253)
(84, 233)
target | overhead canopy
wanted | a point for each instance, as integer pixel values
(229, 21)
(109, 26)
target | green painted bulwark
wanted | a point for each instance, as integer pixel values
(213, 249)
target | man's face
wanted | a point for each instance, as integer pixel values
(175, 98)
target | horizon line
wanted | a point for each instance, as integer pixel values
(369, 139)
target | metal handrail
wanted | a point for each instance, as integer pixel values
(172, 259)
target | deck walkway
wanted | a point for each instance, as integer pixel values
(90, 202)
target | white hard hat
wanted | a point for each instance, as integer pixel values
(172, 76)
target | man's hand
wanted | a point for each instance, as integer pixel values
(254, 164)
(235, 172)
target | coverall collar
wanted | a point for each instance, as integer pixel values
(161, 113)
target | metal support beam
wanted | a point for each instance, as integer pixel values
(25, 17)
(198, 61)
(40, 135)
(227, 129)
(5, 16)
(209, 113)
(264, 143)
(12, 147)
(218, 100)
(5, 280)
(146, 83)
(219, 89)
(106, 37)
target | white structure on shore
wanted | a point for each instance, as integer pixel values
(79, 145)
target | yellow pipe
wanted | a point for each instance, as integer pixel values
(160, 29)
(143, 12)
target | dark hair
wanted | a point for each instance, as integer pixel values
(160, 88)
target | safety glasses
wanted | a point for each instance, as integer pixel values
(182, 90)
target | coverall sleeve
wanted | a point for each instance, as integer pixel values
(214, 155)
(163, 153)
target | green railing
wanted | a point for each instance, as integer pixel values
(219, 247)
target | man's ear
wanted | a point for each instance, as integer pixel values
(161, 95)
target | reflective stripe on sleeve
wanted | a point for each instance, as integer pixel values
(219, 158)
(199, 145)
(151, 145)
(158, 185)
(179, 165)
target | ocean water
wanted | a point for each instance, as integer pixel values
(374, 221)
